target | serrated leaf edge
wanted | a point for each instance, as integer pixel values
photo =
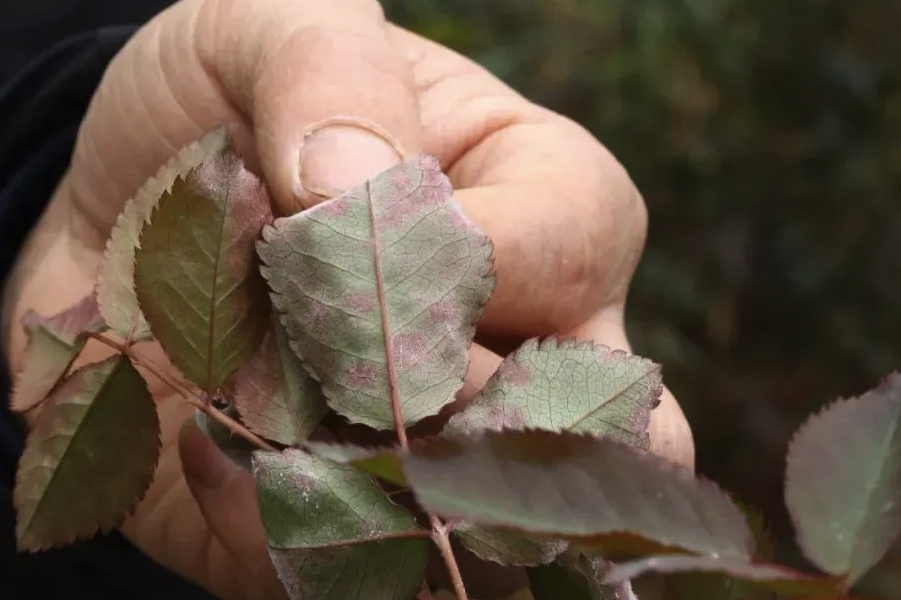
(113, 523)
(791, 456)
(676, 469)
(138, 210)
(489, 276)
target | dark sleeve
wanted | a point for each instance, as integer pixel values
(41, 107)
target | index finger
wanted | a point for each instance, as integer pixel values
(567, 223)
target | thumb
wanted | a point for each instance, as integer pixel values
(226, 496)
(326, 92)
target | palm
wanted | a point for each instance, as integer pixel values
(490, 140)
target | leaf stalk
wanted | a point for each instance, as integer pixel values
(211, 411)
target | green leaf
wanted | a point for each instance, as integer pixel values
(90, 457)
(594, 491)
(554, 581)
(568, 386)
(750, 577)
(275, 395)
(196, 274)
(380, 290)
(561, 386)
(53, 344)
(116, 288)
(764, 544)
(843, 481)
(333, 534)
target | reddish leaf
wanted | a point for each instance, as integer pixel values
(561, 386)
(275, 395)
(843, 481)
(568, 386)
(90, 457)
(380, 290)
(116, 289)
(507, 547)
(597, 492)
(196, 274)
(53, 345)
(771, 578)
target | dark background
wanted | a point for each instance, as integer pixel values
(766, 140)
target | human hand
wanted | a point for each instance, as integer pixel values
(566, 221)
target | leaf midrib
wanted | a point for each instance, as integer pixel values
(615, 396)
(390, 368)
(867, 514)
(211, 327)
(79, 430)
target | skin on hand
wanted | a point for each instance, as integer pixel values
(567, 223)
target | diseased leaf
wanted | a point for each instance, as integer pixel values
(567, 386)
(379, 291)
(90, 457)
(560, 386)
(507, 547)
(275, 395)
(53, 345)
(594, 491)
(381, 462)
(333, 534)
(196, 275)
(116, 288)
(843, 481)
(765, 577)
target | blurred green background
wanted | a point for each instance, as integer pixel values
(764, 138)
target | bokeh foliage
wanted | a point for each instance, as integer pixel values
(764, 137)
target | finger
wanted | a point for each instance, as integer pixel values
(226, 495)
(566, 220)
(306, 63)
(277, 66)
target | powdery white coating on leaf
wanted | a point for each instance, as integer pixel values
(401, 241)
(53, 343)
(375, 571)
(577, 487)
(326, 526)
(568, 386)
(196, 274)
(843, 481)
(90, 457)
(275, 395)
(335, 503)
(559, 386)
(116, 289)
